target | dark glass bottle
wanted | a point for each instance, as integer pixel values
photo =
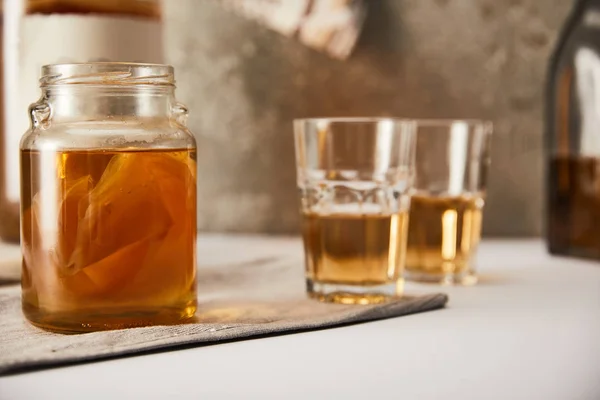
(573, 137)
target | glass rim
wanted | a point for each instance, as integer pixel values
(107, 74)
(487, 124)
(351, 120)
(338, 125)
(450, 121)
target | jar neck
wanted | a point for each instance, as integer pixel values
(69, 103)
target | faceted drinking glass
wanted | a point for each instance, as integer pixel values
(452, 159)
(354, 178)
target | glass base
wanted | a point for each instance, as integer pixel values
(87, 321)
(468, 278)
(354, 294)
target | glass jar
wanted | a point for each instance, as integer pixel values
(573, 137)
(41, 32)
(108, 189)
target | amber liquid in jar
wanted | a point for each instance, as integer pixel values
(108, 238)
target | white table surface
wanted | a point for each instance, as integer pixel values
(530, 330)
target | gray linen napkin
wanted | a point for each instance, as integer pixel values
(261, 297)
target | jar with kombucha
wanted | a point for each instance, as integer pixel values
(108, 210)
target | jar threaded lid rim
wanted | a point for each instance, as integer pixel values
(107, 73)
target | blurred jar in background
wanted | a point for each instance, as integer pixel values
(41, 32)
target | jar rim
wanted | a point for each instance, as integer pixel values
(107, 73)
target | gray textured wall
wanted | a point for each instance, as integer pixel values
(416, 58)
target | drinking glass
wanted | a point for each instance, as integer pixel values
(354, 178)
(452, 159)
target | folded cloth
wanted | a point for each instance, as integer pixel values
(330, 26)
(256, 298)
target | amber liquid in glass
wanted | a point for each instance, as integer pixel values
(443, 234)
(574, 206)
(108, 238)
(354, 249)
